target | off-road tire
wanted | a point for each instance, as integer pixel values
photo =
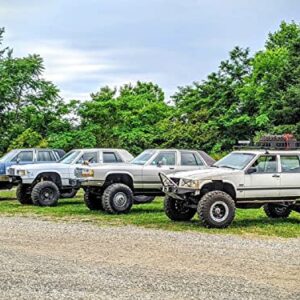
(22, 194)
(207, 206)
(276, 211)
(93, 201)
(142, 199)
(71, 194)
(39, 194)
(176, 211)
(117, 199)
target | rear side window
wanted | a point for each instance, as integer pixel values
(290, 163)
(24, 156)
(111, 157)
(45, 156)
(190, 159)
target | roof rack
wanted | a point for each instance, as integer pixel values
(273, 142)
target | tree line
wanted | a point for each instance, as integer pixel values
(245, 98)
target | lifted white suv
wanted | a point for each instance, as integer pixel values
(44, 184)
(242, 179)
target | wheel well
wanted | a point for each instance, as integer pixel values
(49, 176)
(220, 186)
(119, 178)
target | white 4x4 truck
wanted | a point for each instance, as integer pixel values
(242, 179)
(114, 188)
(44, 184)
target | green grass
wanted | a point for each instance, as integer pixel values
(247, 222)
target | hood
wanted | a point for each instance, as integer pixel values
(205, 173)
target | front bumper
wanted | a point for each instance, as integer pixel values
(4, 178)
(85, 182)
(170, 188)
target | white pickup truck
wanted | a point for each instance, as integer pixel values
(44, 184)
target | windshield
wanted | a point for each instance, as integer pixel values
(235, 160)
(143, 157)
(8, 156)
(69, 157)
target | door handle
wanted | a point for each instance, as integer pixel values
(276, 175)
(172, 168)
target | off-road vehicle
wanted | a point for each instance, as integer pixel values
(44, 184)
(114, 188)
(243, 179)
(23, 157)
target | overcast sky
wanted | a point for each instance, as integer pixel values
(87, 44)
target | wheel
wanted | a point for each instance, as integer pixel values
(45, 193)
(117, 199)
(276, 211)
(71, 194)
(23, 194)
(176, 210)
(141, 199)
(216, 209)
(93, 201)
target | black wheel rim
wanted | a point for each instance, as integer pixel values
(47, 195)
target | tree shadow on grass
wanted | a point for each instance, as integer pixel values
(7, 198)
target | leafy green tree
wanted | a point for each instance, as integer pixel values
(28, 139)
(129, 119)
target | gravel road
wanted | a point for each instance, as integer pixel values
(51, 260)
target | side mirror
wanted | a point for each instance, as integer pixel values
(18, 160)
(159, 163)
(251, 171)
(86, 163)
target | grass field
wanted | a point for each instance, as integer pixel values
(247, 222)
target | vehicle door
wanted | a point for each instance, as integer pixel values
(163, 161)
(45, 156)
(189, 161)
(22, 158)
(264, 182)
(290, 175)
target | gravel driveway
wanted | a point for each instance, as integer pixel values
(49, 260)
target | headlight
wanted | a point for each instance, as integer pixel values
(84, 173)
(21, 172)
(189, 183)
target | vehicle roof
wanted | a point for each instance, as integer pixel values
(262, 151)
(98, 149)
(30, 149)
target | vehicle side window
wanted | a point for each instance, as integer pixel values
(90, 157)
(190, 159)
(45, 156)
(290, 163)
(266, 164)
(111, 157)
(24, 156)
(165, 158)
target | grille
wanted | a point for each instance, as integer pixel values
(176, 180)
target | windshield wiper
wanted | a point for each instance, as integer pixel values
(214, 166)
(228, 167)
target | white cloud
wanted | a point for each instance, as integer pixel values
(63, 63)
